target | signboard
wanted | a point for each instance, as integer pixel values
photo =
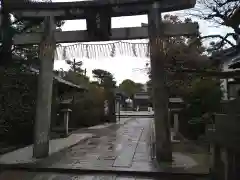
(118, 98)
(176, 104)
(141, 96)
(99, 23)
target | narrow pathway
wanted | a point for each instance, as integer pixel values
(123, 146)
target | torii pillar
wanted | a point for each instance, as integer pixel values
(44, 96)
(160, 94)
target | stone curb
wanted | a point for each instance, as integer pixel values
(168, 174)
(36, 164)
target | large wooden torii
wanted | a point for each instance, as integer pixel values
(79, 9)
(98, 16)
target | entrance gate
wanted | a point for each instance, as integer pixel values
(98, 17)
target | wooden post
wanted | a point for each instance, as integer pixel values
(175, 123)
(160, 93)
(66, 114)
(227, 88)
(111, 107)
(44, 98)
(74, 65)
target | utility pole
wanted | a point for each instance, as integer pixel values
(159, 89)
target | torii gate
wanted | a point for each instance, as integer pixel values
(98, 15)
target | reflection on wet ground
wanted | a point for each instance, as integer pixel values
(17, 175)
(123, 146)
(20, 175)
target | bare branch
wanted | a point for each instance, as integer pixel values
(221, 37)
(224, 39)
(222, 12)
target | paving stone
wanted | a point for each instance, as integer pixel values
(20, 175)
(125, 178)
(142, 157)
(45, 176)
(16, 175)
(126, 156)
(114, 148)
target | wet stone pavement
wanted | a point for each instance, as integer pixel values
(123, 146)
(18, 175)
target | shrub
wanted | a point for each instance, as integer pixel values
(204, 97)
(18, 102)
(88, 109)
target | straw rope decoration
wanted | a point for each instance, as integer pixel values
(93, 51)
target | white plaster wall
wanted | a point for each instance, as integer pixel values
(224, 81)
(233, 88)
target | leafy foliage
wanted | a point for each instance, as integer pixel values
(18, 100)
(104, 78)
(204, 96)
(201, 94)
(75, 66)
(106, 81)
(18, 84)
(129, 87)
(182, 52)
(76, 78)
(88, 108)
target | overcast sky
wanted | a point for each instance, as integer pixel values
(126, 67)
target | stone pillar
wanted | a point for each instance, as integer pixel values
(66, 114)
(159, 89)
(217, 165)
(44, 97)
(175, 123)
(237, 165)
(230, 165)
(117, 109)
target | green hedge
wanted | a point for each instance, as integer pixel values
(88, 109)
(18, 93)
(18, 102)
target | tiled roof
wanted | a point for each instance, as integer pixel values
(60, 80)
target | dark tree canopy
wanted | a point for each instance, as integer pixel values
(11, 27)
(75, 66)
(129, 87)
(104, 78)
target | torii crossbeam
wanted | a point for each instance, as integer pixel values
(77, 10)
